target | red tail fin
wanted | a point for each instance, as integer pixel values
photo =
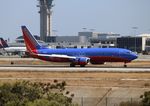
(31, 43)
(3, 43)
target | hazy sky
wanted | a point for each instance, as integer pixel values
(70, 16)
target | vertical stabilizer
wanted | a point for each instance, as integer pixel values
(3, 43)
(30, 41)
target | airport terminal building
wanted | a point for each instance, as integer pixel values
(82, 40)
(138, 44)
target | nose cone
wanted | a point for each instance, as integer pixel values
(128, 55)
(134, 56)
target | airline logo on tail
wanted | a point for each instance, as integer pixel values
(30, 42)
(3, 43)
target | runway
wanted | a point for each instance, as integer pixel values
(71, 69)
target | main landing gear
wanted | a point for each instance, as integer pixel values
(125, 65)
(73, 65)
(82, 65)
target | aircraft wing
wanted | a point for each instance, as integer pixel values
(76, 60)
(57, 56)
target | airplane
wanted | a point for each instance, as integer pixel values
(76, 56)
(5, 47)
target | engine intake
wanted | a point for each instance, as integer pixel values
(81, 61)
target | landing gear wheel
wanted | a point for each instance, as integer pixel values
(82, 65)
(72, 65)
(125, 65)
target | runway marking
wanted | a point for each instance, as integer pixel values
(128, 79)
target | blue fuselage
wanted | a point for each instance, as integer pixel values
(96, 55)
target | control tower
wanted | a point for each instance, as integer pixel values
(45, 18)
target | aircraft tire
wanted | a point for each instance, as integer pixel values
(72, 65)
(125, 65)
(82, 65)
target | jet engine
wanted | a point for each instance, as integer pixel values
(82, 61)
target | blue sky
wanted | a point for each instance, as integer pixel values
(70, 16)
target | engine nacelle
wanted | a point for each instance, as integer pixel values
(81, 61)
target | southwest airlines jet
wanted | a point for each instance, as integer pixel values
(74, 56)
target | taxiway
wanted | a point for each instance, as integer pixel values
(72, 69)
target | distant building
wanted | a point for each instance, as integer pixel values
(138, 44)
(69, 39)
(61, 39)
(88, 34)
(51, 39)
(105, 39)
(86, 40)
(85, 36)
(83, 40)
(21, 40)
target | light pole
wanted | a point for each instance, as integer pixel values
(84, 29)
(135, 28)
(92, 30)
